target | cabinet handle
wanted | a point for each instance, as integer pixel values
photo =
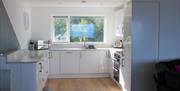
(80, 54)
(40, 67)
(123, 65)
(51, 55)
(68, 52)
(108, 54)
(123, 53)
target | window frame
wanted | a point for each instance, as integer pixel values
(68, 29)
(53, 30)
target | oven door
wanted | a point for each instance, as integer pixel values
(116, 64)
(116, 75)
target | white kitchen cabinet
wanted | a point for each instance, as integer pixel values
(118, 22)
(103, 62)
(89, 62)
(44, 68)
(69, 62)
(79, 63)
(55, 63)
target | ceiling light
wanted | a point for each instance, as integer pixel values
(101, 3)
(59, 2)
(83, 1)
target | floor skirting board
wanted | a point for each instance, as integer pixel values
(79, 76)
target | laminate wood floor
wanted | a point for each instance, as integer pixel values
(84, 84)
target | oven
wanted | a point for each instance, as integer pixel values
(116, 64)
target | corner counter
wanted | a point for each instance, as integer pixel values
(26, 56)
(29, 68)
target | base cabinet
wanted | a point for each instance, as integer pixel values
(104, 62)
(69, 62)
(78, 63)
(89, 62)
(54, 63)
(27, 76)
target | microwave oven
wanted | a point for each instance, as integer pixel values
(38, 45)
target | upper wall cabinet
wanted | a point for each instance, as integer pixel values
(169, 29)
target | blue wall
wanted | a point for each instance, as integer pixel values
(144, 45)
(155, 37)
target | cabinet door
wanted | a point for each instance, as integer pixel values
(30, 80)
(41, 74)
(46, 64)
(169, 29)
(55, 63)
(70, 62)
(89, 62)
(103, 62)
(144, 45)
(47, 67)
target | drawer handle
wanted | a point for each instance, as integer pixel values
(123, 64)
(40, 67)
(68, 52)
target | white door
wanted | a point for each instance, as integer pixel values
(89, 62)
(70, 62)
(103, 62)
(55, 63)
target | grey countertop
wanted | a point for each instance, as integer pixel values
(25, 56)
(4, 53)
(77, 49)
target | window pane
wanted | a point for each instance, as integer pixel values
(60, 29)
(87, 28)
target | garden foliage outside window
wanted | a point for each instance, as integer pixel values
(78, 29)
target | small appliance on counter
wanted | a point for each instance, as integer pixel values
(39, 45)
(90, 46)
(118, 44)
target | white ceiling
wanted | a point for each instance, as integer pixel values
(76, 3)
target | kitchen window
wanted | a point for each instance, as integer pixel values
(60, 29)
(77, 29)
